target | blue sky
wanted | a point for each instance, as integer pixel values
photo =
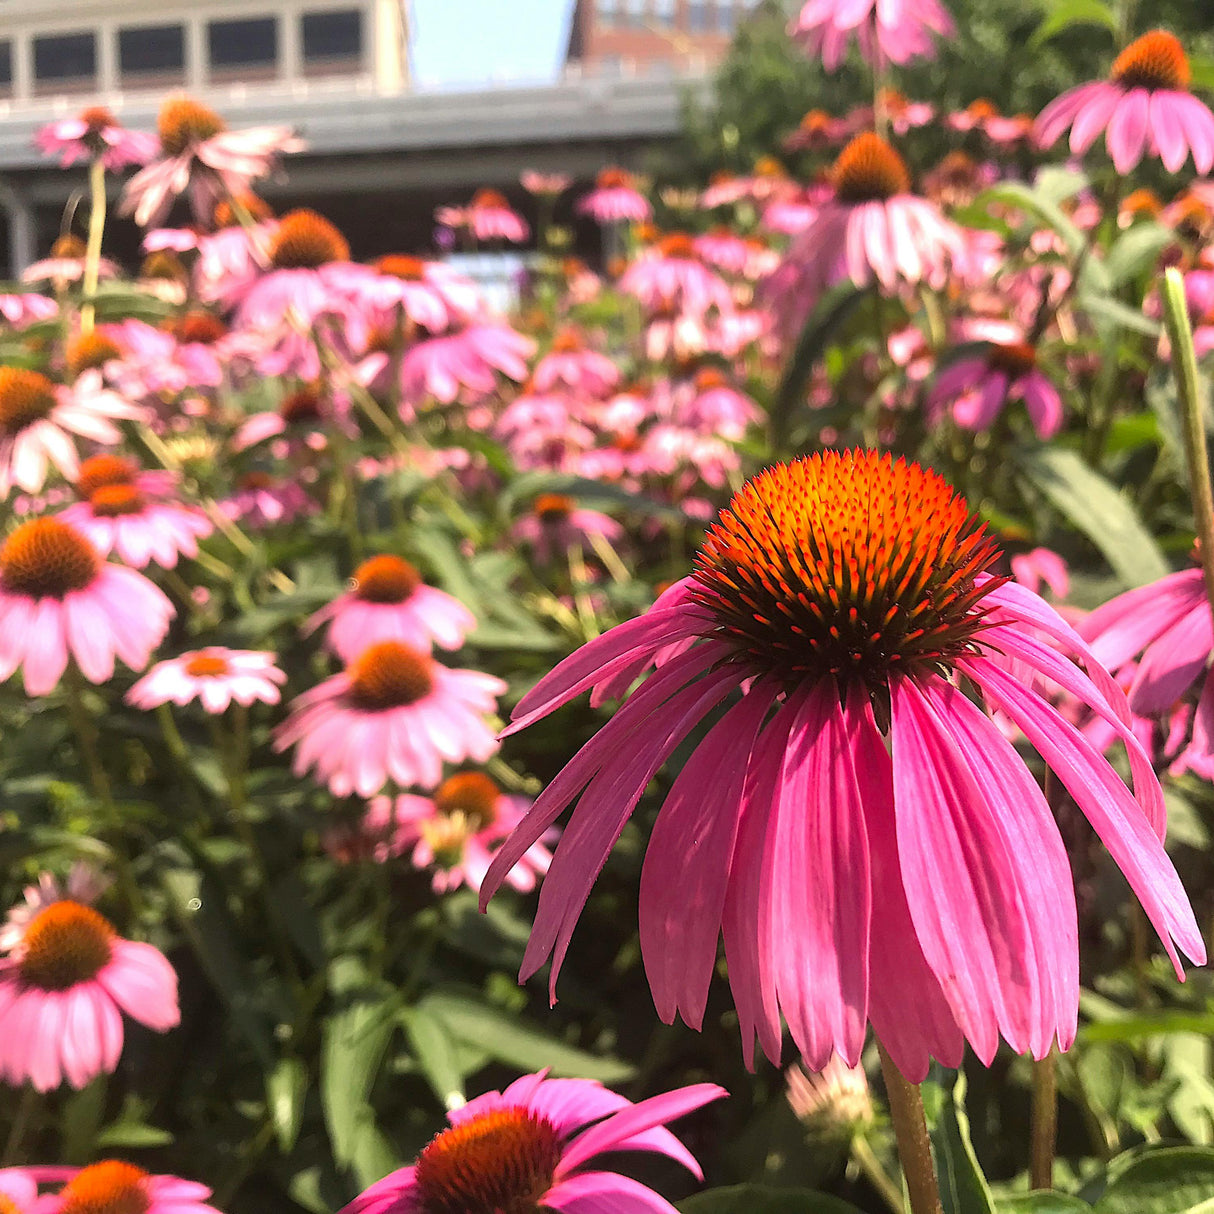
(468, 41)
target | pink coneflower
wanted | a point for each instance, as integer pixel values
(870, 844)
(527, 1148)
(571, 365)
(428, 293)
(262, 501)
(27, 308)
(615, 199)
(464, 362)
(557, 523)
(59, 598)
(201, 156)
(710, 404)
(66, 264)
(671, 276)
(491, 217)
(894, 30)
(393, 714)
(64, 985)
(1042, 566)
(818, 129)
(388, 601)
(456, 831)
(1144, 106)
(95, 132)
(120, 518)
(979, 387)
(113, 1186)
(214, 677)
(38, 420)
(545, 185)
(874, 228)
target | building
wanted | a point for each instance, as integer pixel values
(645, 36)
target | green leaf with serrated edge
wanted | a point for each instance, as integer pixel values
(1102, 513)
(963, 1188)
(1173, 1180)
(760, 1199)
(286, 1091)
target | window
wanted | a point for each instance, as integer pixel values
(332, 41)
(246, 49)
(725, 16)
(663, 13)
(636, 13)
(6, 68)
(65, 63)
(608, 13)
(698, 16)
(152, 55)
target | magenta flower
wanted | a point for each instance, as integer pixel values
(571, 366)
(491, 217)
(893, 30)
(393, 714)
(671, 277)
(615, 199)
(95, 132)
(215, 677)
(38, 419)
(388, 601)
(199, 155)
(1144, 106)
(979, 387)
(467, 361)
(64, 985)
(121, 519)
(527, 1148)
(428, 293)
(261, 501)
(557, 523)
(871, 846)
(115, 1185)
(59, 598)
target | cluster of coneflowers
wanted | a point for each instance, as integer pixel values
(846, 649)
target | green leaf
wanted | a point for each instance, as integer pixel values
(963, 1188)
(286, 1090)
(1175, 1180)
(1036, 201)
(354, 1041)
(1099, 510)
(1104, 308)
(1062, 14)
(133, 1134)
(437, 1054)
(1040, 1202)
(505, 1038)
(1136, 251)
(759, 1199)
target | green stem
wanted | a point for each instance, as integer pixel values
(1044, 1129)
(1184, 364)
(876, 1175)
(914, 1146)
(21, 1120)
(92, 256)
(86, 736)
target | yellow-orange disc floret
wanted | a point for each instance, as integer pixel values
(851, 565)
(112, 501)
(501, 1162)
(65, 943)
(109, 1187)
(389, 674)
(183, 121)
(386, 579)
(471, 794)
(1154, 61)
(26, 397)
(553, 507)
(87, 350)
(100, 470)
(869, 170)
(69, 246)
(45, 558)
(306, 240)
(207, 666)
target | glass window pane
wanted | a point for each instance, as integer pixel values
(6, 66)
(152, 50)
(636, 13)
(236, 44)
(333, 35)
(65, 57)
(663, 13)
(608, 12)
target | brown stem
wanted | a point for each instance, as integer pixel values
(914, 1146)
(1044, 1121)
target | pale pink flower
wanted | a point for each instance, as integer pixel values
(710, 404)
(95, 132)
(817, 130)
(1144, 107)
(490, 217)
(571, 365)
(120, 519)
(979, 387)
(428, 293)
(869, 843)
(27, 308)
(214, 677)
(113, 1184)
(66, 981)
(529, 1147)
(66, 264)
(466, 361)
(1042, 566)
(39, 421)
(388, 601)
(890, 30)
(557, 523)
(262, 501)
(60, 599)
(393, 714)
(547, 185)
(615, 199)
(671, 277)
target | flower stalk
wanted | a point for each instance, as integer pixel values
(92, 256)
(914, 1146)
(1044, 1126)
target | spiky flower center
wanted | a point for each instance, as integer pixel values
(708, 378)
(69, 247)
(65, 943)
(1142, 202)
(183, 121)
(614, 179)
(553, 507)
(869, 170)
(567, 340)
(401, 265)
(1012, 358)
(305, 240)
(100, 470)
(678, 245)
(111, 501)
(47, 559)
(490, 199)
(389, 675)
(472, 795)
(26, 397)
(1154, 61)
(88, 350)
(97, 118)
(849, 565)
(165, 265)
(109, 1187)
(197, 328)
(302, 405)
(386, 579)
(207, 665)
(502, 1162)
(981, 110)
